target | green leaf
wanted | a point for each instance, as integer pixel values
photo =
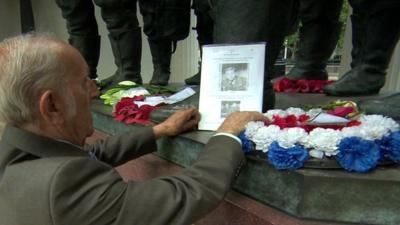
(127, 83)
(104, 96)
(113, 90)
(155, 89)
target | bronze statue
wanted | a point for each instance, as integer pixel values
(124, 34)
(376, 30)
(319, 32)
(205, 29)
(165, 23)
(244, 21)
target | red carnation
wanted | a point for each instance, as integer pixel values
(138, 98)
(304, 86)
(353, 123)
(284, 85)
(142, 115)
(303, 118)
(127, 111)
(124, 102)
(300, 86)
(285, 122)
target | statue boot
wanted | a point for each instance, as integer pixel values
(196, 78)
(387, 106)
(268, 96)
(205, 30)
(276, 30)
(272, 51)
(161, 51)
(89, 47)
(127, 50)
(319, 34)
(372, 56)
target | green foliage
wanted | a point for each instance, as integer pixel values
(343, 20)
(292, 41)
(159, 90)
(114, 95)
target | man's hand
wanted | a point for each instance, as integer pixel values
(177, 123)
(237, 121)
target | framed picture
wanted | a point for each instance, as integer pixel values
(232, 79)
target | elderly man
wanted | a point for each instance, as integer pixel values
(48, 175)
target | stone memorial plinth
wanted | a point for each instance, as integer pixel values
(263, 195)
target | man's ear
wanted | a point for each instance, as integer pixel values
(50, 107)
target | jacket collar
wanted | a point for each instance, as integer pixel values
(39, 145)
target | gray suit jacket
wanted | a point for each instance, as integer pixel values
(45, 181)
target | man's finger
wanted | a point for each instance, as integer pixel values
(197, 116)
(190, 125)
(188, 113)
(256, 116)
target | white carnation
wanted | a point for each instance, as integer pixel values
(316, 154)
(288, 137)
(325, 140)
(278, 112)
(351, 131)
(252, 127)
(265, 136)
(385, 125)
(372, 127)
(295, 111)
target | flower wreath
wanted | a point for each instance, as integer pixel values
(288, 141)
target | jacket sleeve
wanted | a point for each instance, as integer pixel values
(89, 192)
(119, 149)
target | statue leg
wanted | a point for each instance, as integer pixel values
(319, 33)
(244, 21)
(161, 51)
(160, 46)
(381, 33)
(125, 38)
(204, 28)
(82, 30)
(388, 105)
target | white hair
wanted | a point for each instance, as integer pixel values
(29, 64)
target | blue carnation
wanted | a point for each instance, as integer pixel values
(356, 154)
(247, 144)
(390, 146)
(384, 146)
(287, 158)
